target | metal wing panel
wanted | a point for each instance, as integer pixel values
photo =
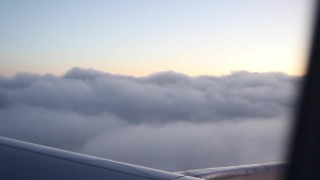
(21, 160)
(270, 171)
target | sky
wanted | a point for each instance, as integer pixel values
(139, 37)
(171, 85)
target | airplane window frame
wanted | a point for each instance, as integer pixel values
(304, 157)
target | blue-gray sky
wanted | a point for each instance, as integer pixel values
(141, 37)
(155, 120)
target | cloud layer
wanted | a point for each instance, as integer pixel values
(166, 120)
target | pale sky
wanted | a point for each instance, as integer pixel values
(136, 37)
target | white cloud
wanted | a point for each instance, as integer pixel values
(165, 120)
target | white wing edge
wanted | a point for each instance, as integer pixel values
(268, 171)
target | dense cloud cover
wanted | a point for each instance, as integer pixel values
(166, 120)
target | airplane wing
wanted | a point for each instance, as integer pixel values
(266, 171)
(22, 160)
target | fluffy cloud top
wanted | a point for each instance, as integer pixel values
(166, 120)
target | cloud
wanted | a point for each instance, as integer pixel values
(166, 120)
(182, 146)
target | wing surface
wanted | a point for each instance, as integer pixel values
(265, 171)
(22, 160)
